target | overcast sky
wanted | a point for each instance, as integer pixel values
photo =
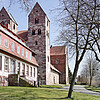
(21, 18)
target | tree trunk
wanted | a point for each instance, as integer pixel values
(90, 80)
(73, 80)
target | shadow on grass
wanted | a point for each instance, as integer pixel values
(53, 98)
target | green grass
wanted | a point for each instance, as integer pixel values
(50, 86)
(30, 93)
(93, 88)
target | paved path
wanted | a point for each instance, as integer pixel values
(81, 89)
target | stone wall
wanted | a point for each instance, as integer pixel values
(13, 80)
(37, 42)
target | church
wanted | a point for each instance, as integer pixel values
(51, 65)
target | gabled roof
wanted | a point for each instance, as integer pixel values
(10, 15)
(57, 50)
(12, 18)
(53, 68)
(37, 4)
(23, 34)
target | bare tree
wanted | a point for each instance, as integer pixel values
(77, 22)
(90, 68)
(24, 4)
(95, 33)
(85, 73)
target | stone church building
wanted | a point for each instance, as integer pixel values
(37, 38)
(59, 59)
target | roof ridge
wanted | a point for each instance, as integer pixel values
(10, 15)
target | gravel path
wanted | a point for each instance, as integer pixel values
(81, 89)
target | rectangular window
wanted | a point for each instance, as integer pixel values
(18, 51)
(36, 20)
(30, 56)
(31, 72)
(0, 39)
(12, 46)
(27, 70)
(26, 54)
(18, 68)
(34, 72)
(23, 69)
(22, 52)
(0, 62)
(6, 42)
(6, 64)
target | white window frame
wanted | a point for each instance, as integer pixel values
(6, 42)
(18, 49)
(13, 46)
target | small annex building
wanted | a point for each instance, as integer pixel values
(59, 59)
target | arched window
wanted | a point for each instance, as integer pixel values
(33, 32)
(39, 31)
(36, 42)
(36, 20)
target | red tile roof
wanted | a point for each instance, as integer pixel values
(57, 50)
(23, 34)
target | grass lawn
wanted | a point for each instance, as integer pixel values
(93, 88)
(50, 86)
(29, 93)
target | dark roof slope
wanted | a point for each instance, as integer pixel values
(7, 15)
(23, 34)
(57, 50)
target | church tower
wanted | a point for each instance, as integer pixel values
(8, 20)
(39, 41)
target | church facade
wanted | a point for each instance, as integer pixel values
(37, 39)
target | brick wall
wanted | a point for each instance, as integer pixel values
(59, 62)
